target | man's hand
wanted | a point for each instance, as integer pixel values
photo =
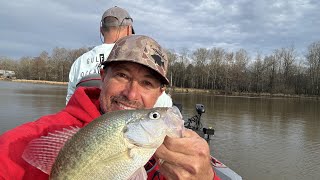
(185, 158)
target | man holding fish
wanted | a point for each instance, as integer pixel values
(133, 77)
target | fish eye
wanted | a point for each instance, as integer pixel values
(154, 115)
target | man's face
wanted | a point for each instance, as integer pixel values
(128, 85)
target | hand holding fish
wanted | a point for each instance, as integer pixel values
(185, 158)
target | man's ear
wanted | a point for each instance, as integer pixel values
(162, 89)
(102, 73)
(101, 31)
(129, 30)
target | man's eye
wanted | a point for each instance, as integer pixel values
(147, 84)
(121, 75)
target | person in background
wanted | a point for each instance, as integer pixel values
(115, 24)
(131, 78)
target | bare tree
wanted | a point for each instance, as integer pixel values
(8, 64)
(200, 57)
(39, 66)
(24, 69)
(173, 70)
(239, 79)
(257, 70)
(216, 56)
(313, 62)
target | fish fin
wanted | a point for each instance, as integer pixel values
(141, 173)
(42, 152)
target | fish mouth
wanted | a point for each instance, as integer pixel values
(176, 111)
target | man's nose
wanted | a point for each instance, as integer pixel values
(132, 91)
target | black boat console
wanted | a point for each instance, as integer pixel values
(195, 124)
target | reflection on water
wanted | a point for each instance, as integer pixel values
(23, 102)
(259, 138)
(262, 138)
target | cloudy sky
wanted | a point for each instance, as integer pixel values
(29, 27)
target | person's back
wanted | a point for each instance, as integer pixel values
(85, 65)
(115, 23)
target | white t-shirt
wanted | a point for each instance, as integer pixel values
(164, 100)
(87, 64)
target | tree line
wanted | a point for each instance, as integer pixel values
(44, 67)
(283, 71)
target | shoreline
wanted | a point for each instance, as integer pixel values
(238, 94)
(36, 81)
(171, 90)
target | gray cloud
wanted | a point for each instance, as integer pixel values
(30, 27)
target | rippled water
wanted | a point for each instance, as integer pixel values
(263, 138)
(23, 102)
(259, 138)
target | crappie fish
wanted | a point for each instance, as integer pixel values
(116, 145)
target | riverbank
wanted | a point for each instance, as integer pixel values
(171, 90)
(36, 81)
(237, 94)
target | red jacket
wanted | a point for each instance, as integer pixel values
(82, 108)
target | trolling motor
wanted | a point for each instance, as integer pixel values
(195, 124)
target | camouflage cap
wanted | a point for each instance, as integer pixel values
(142, 50)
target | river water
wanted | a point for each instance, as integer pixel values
(259, 138)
